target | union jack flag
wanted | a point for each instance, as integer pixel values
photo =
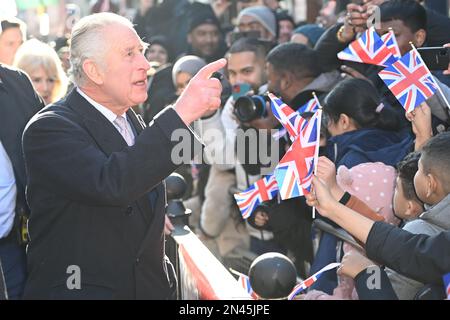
(409, 80)
(292, 120)
(244, 281)
(262, 190)
(311, 106)
(369, 48)
(305, 284)
(295, 170)
(447, 285)
(391, 43)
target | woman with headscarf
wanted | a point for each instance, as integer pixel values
(183, 71)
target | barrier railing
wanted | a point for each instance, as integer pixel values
(200, 275)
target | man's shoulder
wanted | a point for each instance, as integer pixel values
(9, 75)
(60, 110)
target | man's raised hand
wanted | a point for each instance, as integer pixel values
(202, 94)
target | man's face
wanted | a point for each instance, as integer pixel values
(10, 41)
(273, 80)
(248, 23)
(204, 40)
(403, 34)
(286, 27)
(245, 67)
(125, 73)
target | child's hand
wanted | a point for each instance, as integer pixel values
(321, 198)
(420, 119)
(326, 170)
(261, 218)
(353, 263)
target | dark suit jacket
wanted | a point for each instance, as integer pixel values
(18, 103)
(89, 198)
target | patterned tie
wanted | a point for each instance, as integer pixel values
(121, 123)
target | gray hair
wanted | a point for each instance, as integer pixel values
(87, 41)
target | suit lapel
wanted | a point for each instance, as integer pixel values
(101, 129)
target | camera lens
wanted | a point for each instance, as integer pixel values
(250, 108)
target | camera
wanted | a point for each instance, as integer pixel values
(250, 108)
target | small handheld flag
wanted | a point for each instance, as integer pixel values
(292, 120)
(391, 43)
(244, 282)
(310, 281)
(262, 190)
(295, 170)
(370, 49)
(409, 80)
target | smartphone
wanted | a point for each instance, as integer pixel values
(436, 58)
(240, 90)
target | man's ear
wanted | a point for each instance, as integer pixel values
(420, 37)
(189, 38)
(432, 184)
(285, 81)
(92, 71)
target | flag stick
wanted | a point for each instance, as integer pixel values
(426, 67)
(316, 156)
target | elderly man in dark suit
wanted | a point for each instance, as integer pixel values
(95, 171)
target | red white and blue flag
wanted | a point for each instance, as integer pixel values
(368, 48)
(409, 80)
(244, 281)
(295, 170)
(292, 120)
(310, 281)
(262, 190)
(447, 285)
(391, 43)
(311, 106)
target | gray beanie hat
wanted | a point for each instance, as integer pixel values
(264, 15)
(188, 64)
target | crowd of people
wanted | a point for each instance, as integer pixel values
(86, 141)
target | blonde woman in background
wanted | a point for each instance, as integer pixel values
(44, 67)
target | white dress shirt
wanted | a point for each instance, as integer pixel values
(108, 114)
(8, 193)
